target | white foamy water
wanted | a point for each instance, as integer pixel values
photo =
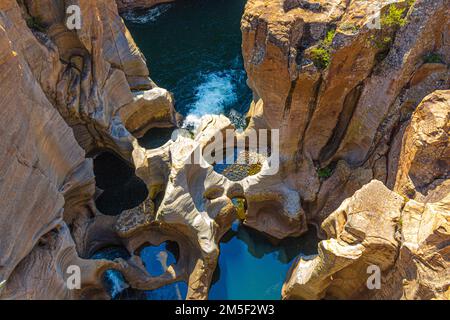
(149, 15)
(212, 96)
(116, 281)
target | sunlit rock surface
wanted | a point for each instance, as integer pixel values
(125, 5)
(340, 85)
(61, 93)
(406, 239)
(363, 115)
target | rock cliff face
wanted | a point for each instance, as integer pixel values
(125, 5)
(341, 85)
(65, 93)
(340, 80)
(359, 93)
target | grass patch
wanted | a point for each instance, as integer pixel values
(239, 204)
(35, 23)
(433, 58)
(324, 173)
(321, 55)
(254, 169)
(394, 18)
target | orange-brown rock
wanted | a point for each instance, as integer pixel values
(92, 70)
(425, 158)
(61, 93)
(407, 241)
(339, 88)
(125, 5)
(375, 231)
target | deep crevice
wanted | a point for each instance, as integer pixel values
(350, 103)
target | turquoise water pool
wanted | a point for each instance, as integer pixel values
(156, 259)
(252, 267)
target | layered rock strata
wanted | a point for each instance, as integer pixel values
(363, 149)
(65, 93)
(126, 5)
(406, 241)
(340, 80)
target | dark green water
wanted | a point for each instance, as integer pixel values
(193, 49)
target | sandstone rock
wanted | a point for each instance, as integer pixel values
(47, 269)
(321, 74)
(342, 98)
(125, 5)
(425, 155)
(361, 233)
(408, 244)
(408, 240)
(60, 89)
(149, 109)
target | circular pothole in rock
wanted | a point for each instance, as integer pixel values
(156, 137)
(238, 164)
(113, 280)
(156, 260)
(122, 189)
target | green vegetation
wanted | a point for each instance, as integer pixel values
(240, 208)
(321, 55)
(433, 58)
(400, 223)
(329, 38)
(324, 172)
(382, 43)
(395, 17)
(349, 27)
(36, 23)
(254, 169)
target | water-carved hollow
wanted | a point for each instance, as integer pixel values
(121, 188)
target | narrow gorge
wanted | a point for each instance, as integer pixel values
(100, 124)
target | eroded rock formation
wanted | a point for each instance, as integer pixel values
(406, 239)
(363, 117)
(340, 80)
(125, 5)
(62, 91)
(340, 88)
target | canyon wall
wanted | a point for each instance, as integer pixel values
(340, 89)
(125, 5)
(377, 229)
(363, 115)
(348, 86)
(65, 93)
